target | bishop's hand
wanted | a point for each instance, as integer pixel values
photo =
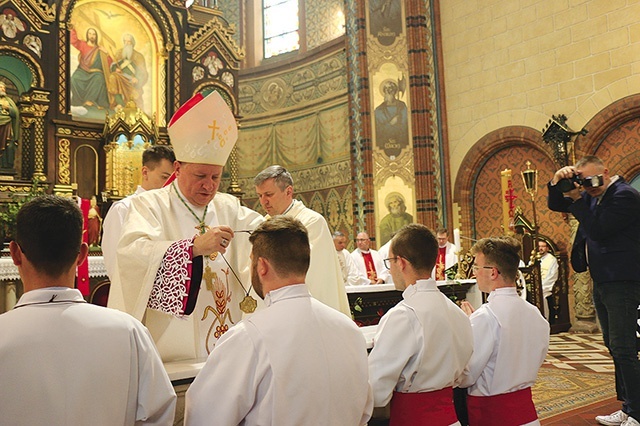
(216, 239)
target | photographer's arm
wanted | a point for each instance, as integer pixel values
(557, 200)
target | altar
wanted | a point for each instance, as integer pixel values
(369, 302)
(11, 286)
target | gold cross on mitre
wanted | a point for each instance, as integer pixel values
(213, 128)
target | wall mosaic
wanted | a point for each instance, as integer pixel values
(487, 196)
(324, 21)
(231, 10)
(294, 89)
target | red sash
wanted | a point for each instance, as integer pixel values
(507, 409)
(425, 408)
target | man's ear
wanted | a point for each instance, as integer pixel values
(263, 266)
(16, 253)
(145, 172)
(84, 252)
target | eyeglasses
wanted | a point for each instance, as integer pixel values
(475, 268)
(386, 261)
(360, 240)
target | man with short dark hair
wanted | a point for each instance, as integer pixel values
(423, 343)
(505, 360)
(608, 244)
(62, 360)
(274, 187)
(157, 166)
(295, 362)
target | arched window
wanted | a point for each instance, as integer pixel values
(281, 25)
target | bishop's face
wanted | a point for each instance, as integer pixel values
(198, 182)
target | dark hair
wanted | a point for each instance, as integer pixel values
(49, 233)
(417, 244)
(441, 231)
(153, 155)
(501, 252)
(284, 242)
(281, 176)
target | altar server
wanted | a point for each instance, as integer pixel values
(180, 254)
(62, 360)
(423, 343)
(510, 339)
(274, 187)
(157, 167)
(296, 362)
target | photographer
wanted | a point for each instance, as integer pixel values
(608, 243)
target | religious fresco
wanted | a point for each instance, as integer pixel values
(113, 60)
(385, 20)
(395, 205)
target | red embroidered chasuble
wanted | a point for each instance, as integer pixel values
(440, 262)
(370, 266)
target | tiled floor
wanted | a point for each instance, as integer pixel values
(585, 415)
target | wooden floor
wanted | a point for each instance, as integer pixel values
(585, 415)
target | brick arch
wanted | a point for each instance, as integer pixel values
(478, 183)
(614, 136)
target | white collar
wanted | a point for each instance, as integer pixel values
(286, 292)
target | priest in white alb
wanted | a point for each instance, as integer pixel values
(183, 257)
(274, 186)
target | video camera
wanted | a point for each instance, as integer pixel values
(566, 185)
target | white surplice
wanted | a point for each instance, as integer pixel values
(351, 275)
(112, 229)
(450, 258)
(324, 277)
(510, 342)
(422, 344)
(157, 220)
(66, 362)
(381, 270)
(549, 273)
(296, 362)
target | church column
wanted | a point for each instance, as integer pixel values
(585, 312)
(34, 112)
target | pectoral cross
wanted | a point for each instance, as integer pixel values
(202, 228)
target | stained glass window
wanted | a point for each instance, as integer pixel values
(280, 27)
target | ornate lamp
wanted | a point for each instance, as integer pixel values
(530, 180)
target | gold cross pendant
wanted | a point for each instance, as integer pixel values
(202, 228)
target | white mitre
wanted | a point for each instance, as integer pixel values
(203, 130)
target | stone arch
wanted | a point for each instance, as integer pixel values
(614, 136)
(478, 184)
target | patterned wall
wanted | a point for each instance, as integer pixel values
(298, 118)
(324, 21)
(487, 197)
(231, 9)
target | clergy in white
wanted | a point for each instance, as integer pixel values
(182, 259)
(369, 261)
(62, 360)
(510, 340)
(157, 167)
(274, 187)
(296, 362)
(447, 255)
(351, 275)
(549, 275)
(423, 343)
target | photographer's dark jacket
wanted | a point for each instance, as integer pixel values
(609, 229)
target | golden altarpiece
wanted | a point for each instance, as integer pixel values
(96, 81)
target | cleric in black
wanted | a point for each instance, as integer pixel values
(608, 244)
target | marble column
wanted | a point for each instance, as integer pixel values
(585, 312)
